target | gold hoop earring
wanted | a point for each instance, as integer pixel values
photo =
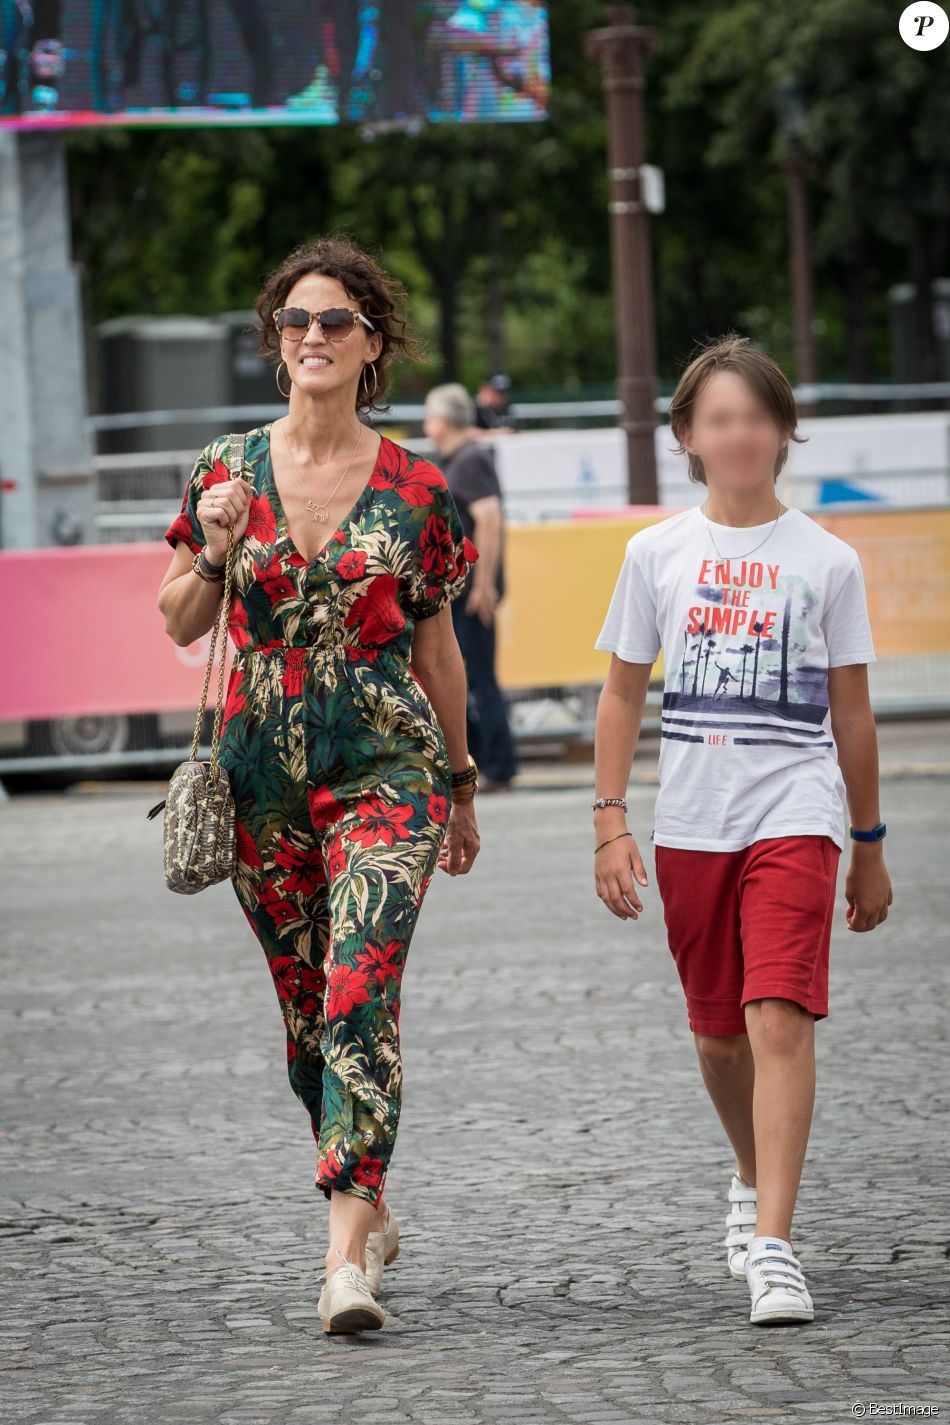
(372, 368)
(285, 394)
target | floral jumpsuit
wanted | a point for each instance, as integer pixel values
(340, 776)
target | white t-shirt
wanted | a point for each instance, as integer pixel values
(746, 747)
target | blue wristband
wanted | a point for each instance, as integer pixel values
(877, 833)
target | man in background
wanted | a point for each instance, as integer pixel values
(492, 411)
(470, 474)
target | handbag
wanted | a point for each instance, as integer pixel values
(200, 845)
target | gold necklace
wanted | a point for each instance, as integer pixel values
(319, 510)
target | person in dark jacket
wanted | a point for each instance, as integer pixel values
(492, 409)
(469, 469)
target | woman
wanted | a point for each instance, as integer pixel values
(344, 731)
(749, 822)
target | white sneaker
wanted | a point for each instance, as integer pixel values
(741, 1225)
(381, 1249)
(346, 1302)
(776, 1283)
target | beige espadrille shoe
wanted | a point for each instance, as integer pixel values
(381, 1249)
(346, 1302)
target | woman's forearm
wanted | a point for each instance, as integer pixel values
(447, 688)
(191, 606)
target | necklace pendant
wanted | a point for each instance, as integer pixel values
(318, 512)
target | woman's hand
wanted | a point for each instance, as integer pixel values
(616, 866)
(461, 843)
(226, 503)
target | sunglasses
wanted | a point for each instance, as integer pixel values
(336, 323)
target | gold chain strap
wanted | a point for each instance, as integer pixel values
(221, 622)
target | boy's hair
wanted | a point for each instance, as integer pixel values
(734, 353)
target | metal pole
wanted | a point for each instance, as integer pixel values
(806, 366)
(621, 49)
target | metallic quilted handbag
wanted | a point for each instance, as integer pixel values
(200, 847)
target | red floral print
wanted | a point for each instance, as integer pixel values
(368, 1171)
(381, 960)
(235, 699)
(294, 665)
(345, 988)
(324, 807)
(352, 564)
(340, 775)
(247, 852)
(376, 613)
(437, 548)
(303, 864)
(438, 807)
(380, 823)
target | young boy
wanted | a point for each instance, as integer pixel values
(767, 740)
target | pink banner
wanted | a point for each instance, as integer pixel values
(85, 635)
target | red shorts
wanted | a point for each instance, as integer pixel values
(749, 924)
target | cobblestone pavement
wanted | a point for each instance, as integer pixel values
(560, 1176)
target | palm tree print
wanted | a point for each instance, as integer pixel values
(754, 674)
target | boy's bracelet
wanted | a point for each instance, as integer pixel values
(612, 838)
(877, 833)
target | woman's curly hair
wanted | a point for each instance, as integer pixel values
(380, 297)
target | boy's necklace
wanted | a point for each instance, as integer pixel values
(725, 557)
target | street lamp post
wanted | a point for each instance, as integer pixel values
(790, 109)
(621, 49)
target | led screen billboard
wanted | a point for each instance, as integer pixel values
(70, 63)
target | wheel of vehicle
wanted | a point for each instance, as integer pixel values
(88, 736)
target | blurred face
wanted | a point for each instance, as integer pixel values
(733, 434)
(488, 396)
(318, 366)
(437, 428)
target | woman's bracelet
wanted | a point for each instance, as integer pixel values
(470, 774)
(611, 838)
(465, 784)
(609, 802)
(211, 573)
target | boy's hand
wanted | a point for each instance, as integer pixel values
(867, 887)
(616, 866)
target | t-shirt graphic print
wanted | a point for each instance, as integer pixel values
(748, 634)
